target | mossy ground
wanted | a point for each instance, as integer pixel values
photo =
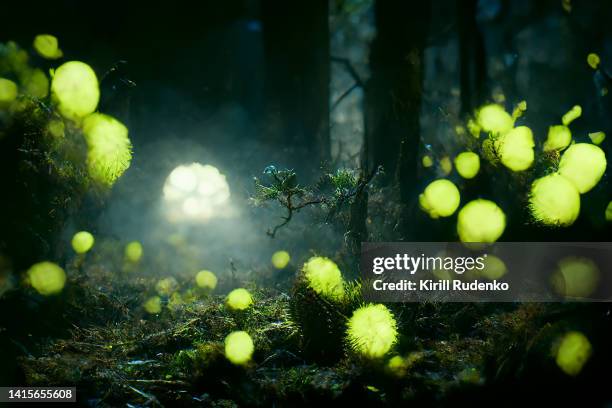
(117, 354)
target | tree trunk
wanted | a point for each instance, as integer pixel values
(472, 63)
(393, 92)
(297, 74)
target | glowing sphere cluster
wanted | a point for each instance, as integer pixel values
(440, 198)
(75, 90)
(515, 148)
(47, 278)
(554, 201)
(467, 164)
(206, 280)
(82, 242)
(46, 45)
(573, 353)
(196, 192)
(109, 150)
(583, 164)
(280, 259)
(324, 277)
(239, 299)
(239, 347)
(372, 331)
(480, 221)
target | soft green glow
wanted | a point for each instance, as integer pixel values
(133, 251)
(480, 221)
(494, 119)
(165, 286)
(56, 128)
(239, 299)
(239, 347)
(572, 115)
(324, 277)
(8, 90)
(446, 165)
(575, 277)
(372, 331)
(597, 137)
(427, 161)
(46, 45)
(35, 83)
(467, 164)
(593, 60)
(554, 201)
(440, 198)
(75, 89)
(609, 212)
(494, 268)
(82, 242)
(153, 305)
(47, 278)
(280, 259)
(109, 148)
(473, 128)
(583, 164)
(206, 280)
(573, 352)
(559, 137)
(515, 148)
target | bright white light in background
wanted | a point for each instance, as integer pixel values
(196, 192)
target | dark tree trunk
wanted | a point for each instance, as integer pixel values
(472, 62)
(393, 92)
(297, 73)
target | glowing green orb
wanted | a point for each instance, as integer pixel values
(153, 305)
(427, 161)
(46, 45)
(324, 277)
(597, 137)
(239, 347)
(440, 198)
(8, 90)
(575, 277)
(166, 286)
(583, 164)
(515, 148)
(82, 242)
(280, 259)
(206, 280)
(109, 150)
(47, 278)
(467, 164)
(554, 201)
(372, 331)
(559, 137)
(593, 60)
(573, 352)
(133, 251)
(480, 221)
(75, 90)
(572, 115)
(239, 299)
(608, 213)
(494, 268)
(494, 119)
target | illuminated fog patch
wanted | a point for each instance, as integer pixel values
(196, 192)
